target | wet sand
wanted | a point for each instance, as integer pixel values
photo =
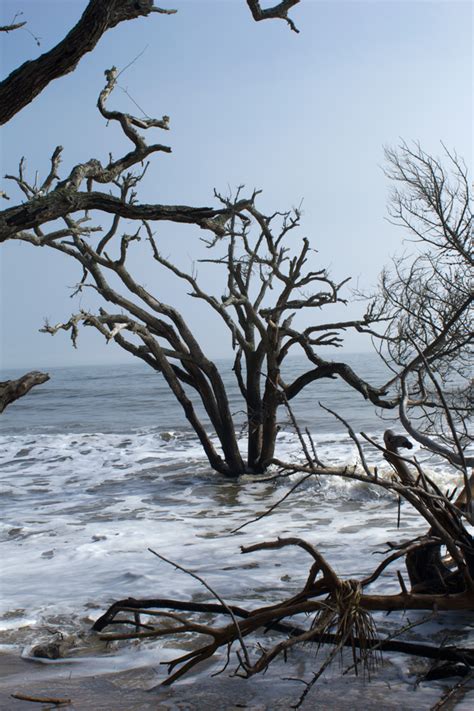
(136, 690)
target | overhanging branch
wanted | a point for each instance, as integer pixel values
(11, 390)
(278, 11)
(64, 202)
(29, 80)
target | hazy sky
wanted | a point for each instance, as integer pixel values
(304, 117)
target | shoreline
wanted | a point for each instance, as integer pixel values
(136, 690)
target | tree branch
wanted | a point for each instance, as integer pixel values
(279, 11)
(11, 390)
(29, 80)
(14, 26)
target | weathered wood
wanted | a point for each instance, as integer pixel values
(41, 699)
(278, 11)
(65, 202)
(448, 653)
(29, 80)
(326, 597)
(426, 569)
(11, 390)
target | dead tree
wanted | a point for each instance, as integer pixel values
(11, 390)
(428, 298)
(267, 282)
(339, 609)
(29, 80)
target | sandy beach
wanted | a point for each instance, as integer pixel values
(135, 690)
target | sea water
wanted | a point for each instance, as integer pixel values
(99, 464)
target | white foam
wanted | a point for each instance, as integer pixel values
(81, 510)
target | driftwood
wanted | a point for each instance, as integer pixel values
(11, 390)
(338, 611)
(329, 603)
(133, 606)
(42, 699)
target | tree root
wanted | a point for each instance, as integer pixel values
(333, 604)
(339, 610)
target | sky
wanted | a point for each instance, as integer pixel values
(304, 117)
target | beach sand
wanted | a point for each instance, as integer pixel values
(135, 690)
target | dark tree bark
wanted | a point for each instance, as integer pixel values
(11, 390)
(338, 611)
(64, 202)
(279, 11)
(428, 572)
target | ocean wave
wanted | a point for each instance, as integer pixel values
(81, 510)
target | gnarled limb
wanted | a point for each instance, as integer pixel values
(11, 390)
(12, 27)
(15, 221)
(278, 11)
(29, 80)
(426, 569)
(50, 201)
(329, 600)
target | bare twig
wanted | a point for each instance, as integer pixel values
(214, 593)
(10, 28)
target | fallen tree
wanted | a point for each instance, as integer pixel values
(338, 611)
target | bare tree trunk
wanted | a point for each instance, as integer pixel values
(270, 426)
(271, 401)
(254, 411)
(228, 437)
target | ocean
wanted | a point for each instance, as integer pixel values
(98, 465)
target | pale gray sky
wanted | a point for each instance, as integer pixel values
(304, 117)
